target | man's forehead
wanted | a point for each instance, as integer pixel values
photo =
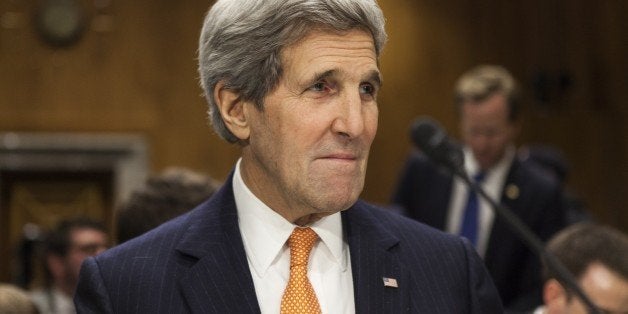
(323, 52)
(324, 31)
(86, 232)
(355, 39)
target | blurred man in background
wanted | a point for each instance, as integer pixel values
(597, 256)
(15, 300)
(162, 197)
(65, 248)
(488, 104)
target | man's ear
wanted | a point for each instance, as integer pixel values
(554, 295)
(231, 107)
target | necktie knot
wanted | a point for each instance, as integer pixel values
(301, 242)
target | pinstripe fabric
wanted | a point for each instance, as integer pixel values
(436, 273)
(197, 264)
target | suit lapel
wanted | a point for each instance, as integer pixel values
(372, 260)
(218, 279)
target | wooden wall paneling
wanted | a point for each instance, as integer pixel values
(586, 120)
(139, 76)
(429, 42)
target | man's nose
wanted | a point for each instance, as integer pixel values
(349, 120)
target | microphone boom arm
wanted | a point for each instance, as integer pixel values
(563, 275)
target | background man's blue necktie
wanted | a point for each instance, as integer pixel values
(470, 223)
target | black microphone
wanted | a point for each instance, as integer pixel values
(428, 135)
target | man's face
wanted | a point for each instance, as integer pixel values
(308, 148)
(486, 129)
(606, 289)
(84, 242)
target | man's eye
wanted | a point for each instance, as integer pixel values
(318, 86)
(368, 89)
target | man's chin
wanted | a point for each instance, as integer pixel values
(340, 204)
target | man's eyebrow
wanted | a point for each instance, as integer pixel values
(375, 77)
(321, 76)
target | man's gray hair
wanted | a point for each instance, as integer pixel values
(241, 42)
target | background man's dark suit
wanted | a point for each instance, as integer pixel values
(197, 263)
(424, 192)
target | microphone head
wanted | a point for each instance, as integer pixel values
(428, 135)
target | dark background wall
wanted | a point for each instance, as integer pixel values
(134, 71)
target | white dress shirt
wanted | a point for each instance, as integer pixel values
(52, 301)
(493, 185)
(265, 234)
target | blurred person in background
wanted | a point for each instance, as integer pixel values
(488, 103)
(14, 300)
(65, 247)
(597, 256)
(161, 198)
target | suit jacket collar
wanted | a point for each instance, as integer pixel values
(372, 260)
(218, 278)
(218, 275)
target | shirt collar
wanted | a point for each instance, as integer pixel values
(265, 232)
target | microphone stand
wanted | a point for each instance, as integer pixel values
(531, 240)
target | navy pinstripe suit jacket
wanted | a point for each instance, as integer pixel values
(196, 263)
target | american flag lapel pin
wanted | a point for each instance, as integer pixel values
(390, 282)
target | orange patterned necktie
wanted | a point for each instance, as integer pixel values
(299, 296)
